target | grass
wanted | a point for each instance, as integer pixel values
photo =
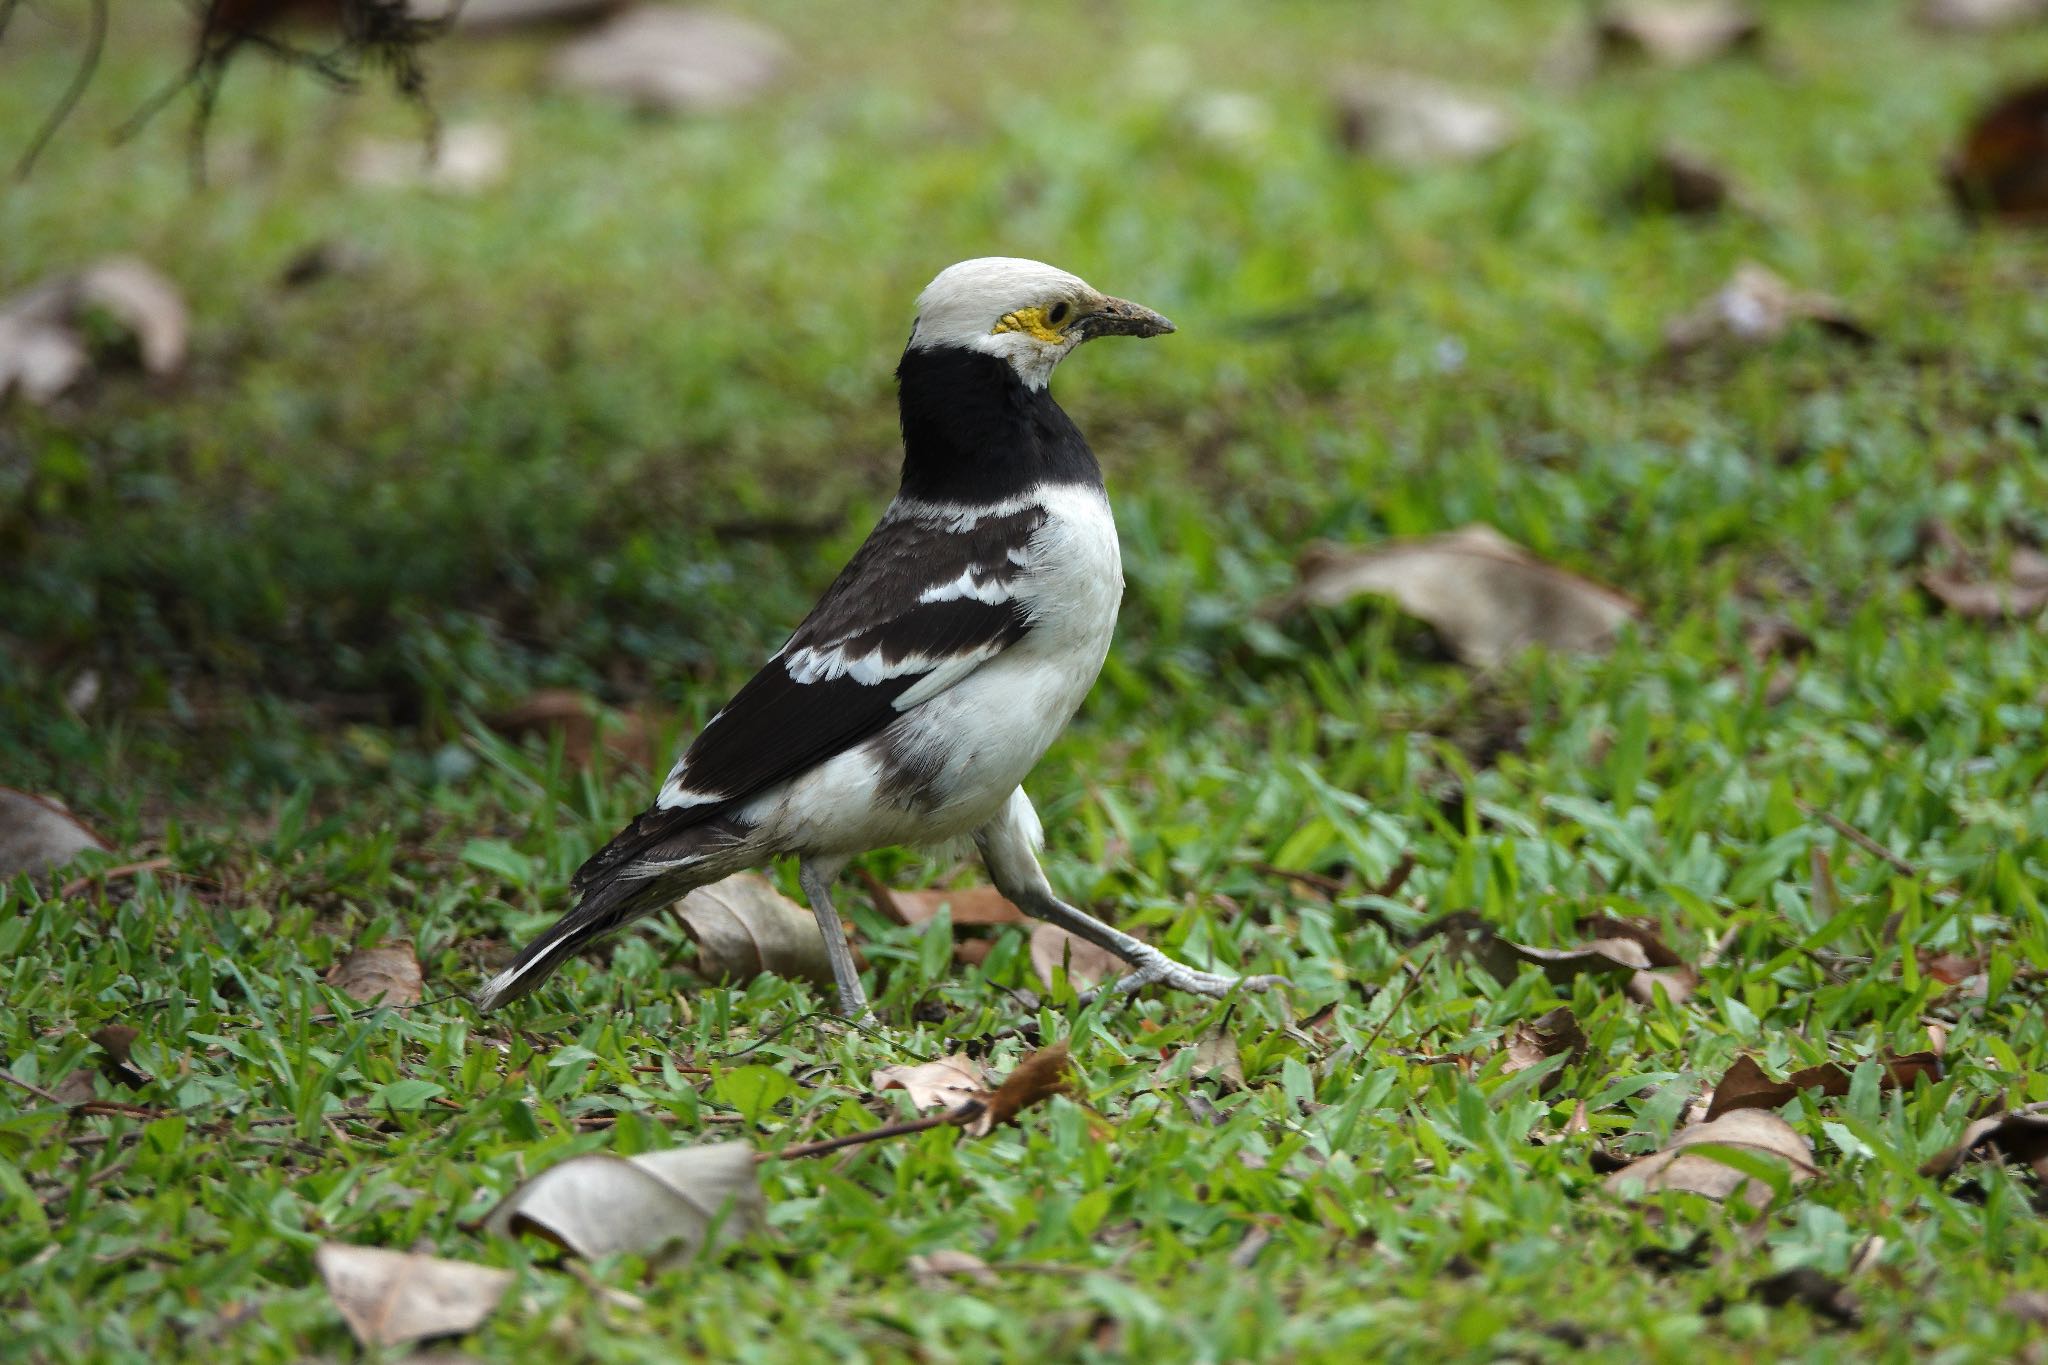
(610, 425)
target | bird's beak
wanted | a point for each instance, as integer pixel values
(1122, 318)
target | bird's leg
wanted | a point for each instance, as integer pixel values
(816, 879)
(1008, 846)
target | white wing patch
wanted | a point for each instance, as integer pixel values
(994, 591)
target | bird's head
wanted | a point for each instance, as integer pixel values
(1025, 312)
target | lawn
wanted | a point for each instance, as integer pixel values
(607, 426)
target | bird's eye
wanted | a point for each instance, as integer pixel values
(1058, 314)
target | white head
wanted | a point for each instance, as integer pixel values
(1025, 312)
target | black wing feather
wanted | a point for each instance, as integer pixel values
(776, 727)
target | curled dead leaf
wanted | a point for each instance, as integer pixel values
(1684, 1166)
(390, 974)
(1677, 32)
(1485, 595)
(743, 926)
(1412, 121)
(2020, 595)
(1745, 1086)
(971, 906)
(1086, 965)
(1535, 1041)
(117, 1041)
(43, 341)
(1755, 307)
(665, 1205)
(1216, 1059)
(38, 835)
(675, 59)
(1036, 1079)
(2016, 1136)
(578, 718)
(389, 1298)
(1677, 181)
(945, 1083)
(945, 1263)
(2001, 169)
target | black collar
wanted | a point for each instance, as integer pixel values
(974, 433)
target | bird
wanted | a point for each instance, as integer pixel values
(953, 648)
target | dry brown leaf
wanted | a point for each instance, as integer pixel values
(972, 906)
(1756, 306)
(391, 973)
(1678, 1167)
(1040, 1076)
(38, 835)
(674, 58)
(1745, 1086)
(2021, 594)
(1086, 965)
(43, 347)
(1678, 32)
(576, 717)
(943, 1263)
(464, 158)
(1485, 595)
(117, 1041)
(389, 1298)
(743, 926)
(1676, 181)
(2017, 1136)
(661, 1205)
(1815, 1289)
(1412, 121)
(946, 1083)
(1963, 15)
(1535, 1041)
(1216, 1059)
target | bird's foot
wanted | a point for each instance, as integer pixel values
(1157, 969)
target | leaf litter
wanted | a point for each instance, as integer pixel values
(37, 834)
(743, 927)
(390, 974)
(1683, 1166)
(390, 1298)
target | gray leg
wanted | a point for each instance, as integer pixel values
(1009, 845)
(815, 876)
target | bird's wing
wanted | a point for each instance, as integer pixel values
(926, 600)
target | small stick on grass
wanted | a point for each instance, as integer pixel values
(1414, 980)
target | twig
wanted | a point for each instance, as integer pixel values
(78, 884)
(1414, 980)
(31, 1087)
(959, 1118)
(1861, 840)
(1323, 882)
(95, 43)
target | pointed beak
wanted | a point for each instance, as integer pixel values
(1122, 318)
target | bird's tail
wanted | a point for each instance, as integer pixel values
(604, 909)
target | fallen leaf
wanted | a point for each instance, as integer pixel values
(38, 835)
(1676, 181)
(2021, 594)
(464, 158)
(944, 1263)
(946, 1083)
(1668, 973)
(1677, 32)
(1951, 969)
(43, 335)
(578, 719)
(1755, 307)
(2028, 1305)
(1815, 1289)
(1216, 1059)
(1412, 121)
(1485, 595)
(1040, 1076)
(1963, 15)
(389, 1298)
(1535, 1041)
(674, 58)
(666, 1205)
(743, 926)
(1087, 965)
(972, 906)
(2017, 1136)
(391, 973)
(1745, 1086)
(117, 1041)
(1678, 1167)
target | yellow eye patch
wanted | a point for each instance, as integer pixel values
(1030, 320)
